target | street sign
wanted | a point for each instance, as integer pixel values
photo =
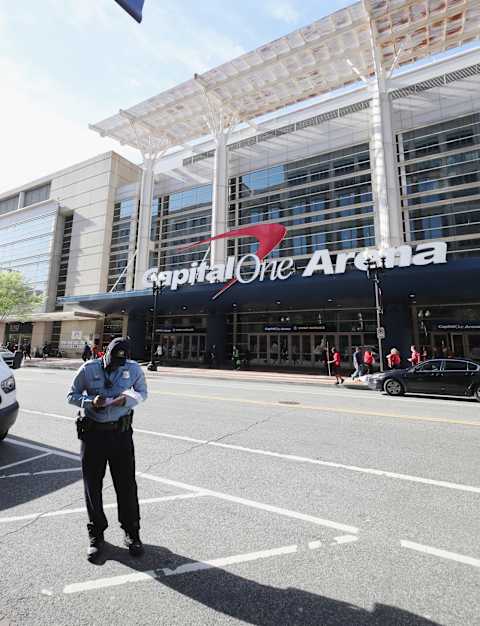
(380, 332)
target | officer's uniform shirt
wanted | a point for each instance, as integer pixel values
(91, 380)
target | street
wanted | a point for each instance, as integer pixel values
(262, 502)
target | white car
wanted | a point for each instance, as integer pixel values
(7, 356)
(8, 399)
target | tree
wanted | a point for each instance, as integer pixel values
(17, 298)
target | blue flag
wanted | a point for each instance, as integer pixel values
(134, 7)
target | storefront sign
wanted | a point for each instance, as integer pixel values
(451, 327)
(253, 267)
(168, 330)
(299, 328)
(76, 334)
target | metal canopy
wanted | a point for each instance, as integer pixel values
(303, 64)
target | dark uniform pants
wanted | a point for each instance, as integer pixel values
(116, 448)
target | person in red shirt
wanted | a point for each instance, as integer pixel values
(336, 362)
(393, 359)
(415, 356)
(368, 360)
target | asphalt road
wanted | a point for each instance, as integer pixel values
(263, 503)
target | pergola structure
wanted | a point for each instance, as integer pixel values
(365, 41)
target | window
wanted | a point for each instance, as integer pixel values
(38, 194)
(9, 204)
(429, 366)
(456, 366)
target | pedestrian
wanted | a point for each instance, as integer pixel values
(336, 362)
(368, 360)
(28, 351)
(274, 351)
(159, 352)
(236, 358)
(213, 356)
(107, 390)
(87, 353)
(247, 358)
(414, 356)
(357, 363)
(45, 352)
(173, 352)
(424, 353)
(393, 359)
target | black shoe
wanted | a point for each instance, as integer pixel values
(96, 543)
(133, 543)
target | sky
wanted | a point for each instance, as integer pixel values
(67, 63)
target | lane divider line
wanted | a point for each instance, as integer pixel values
(254, 504)
(186, 568)
(113, 505)
(33, 458)
(443, 554)
(323, 409)
(302, 459)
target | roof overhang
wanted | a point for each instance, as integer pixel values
(57, 316)
(317, 59)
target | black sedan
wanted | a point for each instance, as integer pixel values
(446, 377)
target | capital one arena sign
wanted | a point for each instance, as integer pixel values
(251, 267)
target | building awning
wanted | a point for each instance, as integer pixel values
(58, 316)
(329, 54)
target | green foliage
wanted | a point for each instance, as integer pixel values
(16, 296)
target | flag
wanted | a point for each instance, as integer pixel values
(134, 7)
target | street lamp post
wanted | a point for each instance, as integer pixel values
(374, 267)
(152, 366)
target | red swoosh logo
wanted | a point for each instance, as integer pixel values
(267, 235)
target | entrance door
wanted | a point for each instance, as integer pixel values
(457, 345)
(426, 378)
(457, 376)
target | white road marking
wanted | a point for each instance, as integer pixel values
(19, 518)
(295, 458)
(43, 472)
(32, 458)
(186, 568)
(65, 455)
(254, 504)
(345, 539)
(332, 464)
(443, 554)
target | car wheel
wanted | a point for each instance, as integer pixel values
(476, 393)
(393, 387)
(3, 435)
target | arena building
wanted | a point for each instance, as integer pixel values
(268, 184)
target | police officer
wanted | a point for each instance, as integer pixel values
(107, 389)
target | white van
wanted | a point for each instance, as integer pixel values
(8, 399)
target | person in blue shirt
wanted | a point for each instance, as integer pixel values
(107, 389)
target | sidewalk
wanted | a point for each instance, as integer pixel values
(196, 372)
(216, 374)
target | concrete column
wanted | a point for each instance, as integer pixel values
(136, 333)
(3, 328)
(398, 329)
(144, 220)
(217, 335)
(386, 196)
(220, 199)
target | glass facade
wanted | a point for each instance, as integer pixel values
(186, 217)
(37, 194)
(120, 244)
(64, 257)
(26, 246)
(325, 201)
(8, 204)
(440, 183)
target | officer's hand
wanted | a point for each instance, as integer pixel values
(98, 402)
(120, 401)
